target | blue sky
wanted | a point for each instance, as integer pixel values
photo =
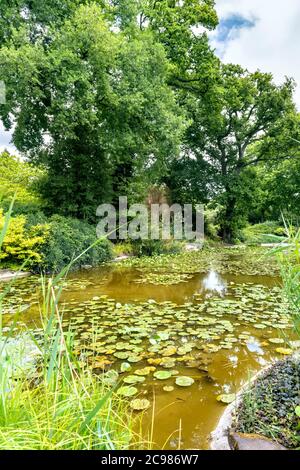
(230, 27)
(257, 34)
(260, 34)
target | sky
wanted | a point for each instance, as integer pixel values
(257, 34)
(260, 34)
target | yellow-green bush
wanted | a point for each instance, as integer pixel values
(21, 243)
(18, 179)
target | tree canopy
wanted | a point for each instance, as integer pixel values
(109, 97)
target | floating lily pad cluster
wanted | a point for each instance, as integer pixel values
(163, 279)
(150, 342)
(165, 344)
(250, 261)
(20, 295)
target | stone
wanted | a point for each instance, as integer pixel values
(239, 441)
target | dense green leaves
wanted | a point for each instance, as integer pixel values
(113, 97)
(88, 103)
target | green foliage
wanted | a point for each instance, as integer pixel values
(66, 240)
(155, 247)
(18, 179)
(266, 232)
(48, 244)
(121, 249)
(211, 221)
(289, 260)
(243, 113)
(21, 243)
(103, 100)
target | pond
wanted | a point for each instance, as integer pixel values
(184, 334)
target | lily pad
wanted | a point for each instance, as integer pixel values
(145, 371)
(127, 391)
(140, 405)
(284, 351)
(226, 398)
(162, 374)
(133, 379)
(183, 381)
(125, 367)
(276, 340)
(168, 388)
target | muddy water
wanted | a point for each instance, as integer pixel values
(184, 417)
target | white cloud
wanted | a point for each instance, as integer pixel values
(271, 45)
(5, 140)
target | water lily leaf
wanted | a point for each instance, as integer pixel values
(276, 340)
(284, 351)
(169, 351)
(127, 391)
(226, 398)
(162, 374)
(140, 405)
(125, 367)
(111, 377)
(134, 359)
(145, 371)
(168, 388)
(121, 355)
(184, 381)
(168, 362)
(133, 379)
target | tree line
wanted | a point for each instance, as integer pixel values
(112, 97)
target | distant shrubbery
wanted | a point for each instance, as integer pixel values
(50, 243)
(155, 247)
(267, 232)
(67, 239)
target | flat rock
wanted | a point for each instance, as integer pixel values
(239, 441)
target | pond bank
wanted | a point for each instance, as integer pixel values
(7, 274)
(262, 416)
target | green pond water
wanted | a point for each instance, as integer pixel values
(183, 333)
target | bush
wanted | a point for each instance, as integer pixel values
(155, 247)
(212, 221)
(18, 179)
(121, 249)
(50, 244)
(67, 239)
(267, 232)
(22, 243)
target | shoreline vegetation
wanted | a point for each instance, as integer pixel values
(49, 398)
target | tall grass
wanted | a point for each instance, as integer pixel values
(289, 258)
(61, 404)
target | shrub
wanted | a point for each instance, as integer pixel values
(67, 239)
(212, 221)
(267, 232)
(120, 249)
(22, 243)
(155, 247)
(18, 179)
(50, 244)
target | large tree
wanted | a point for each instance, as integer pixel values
(89, 100)
(245, 114)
